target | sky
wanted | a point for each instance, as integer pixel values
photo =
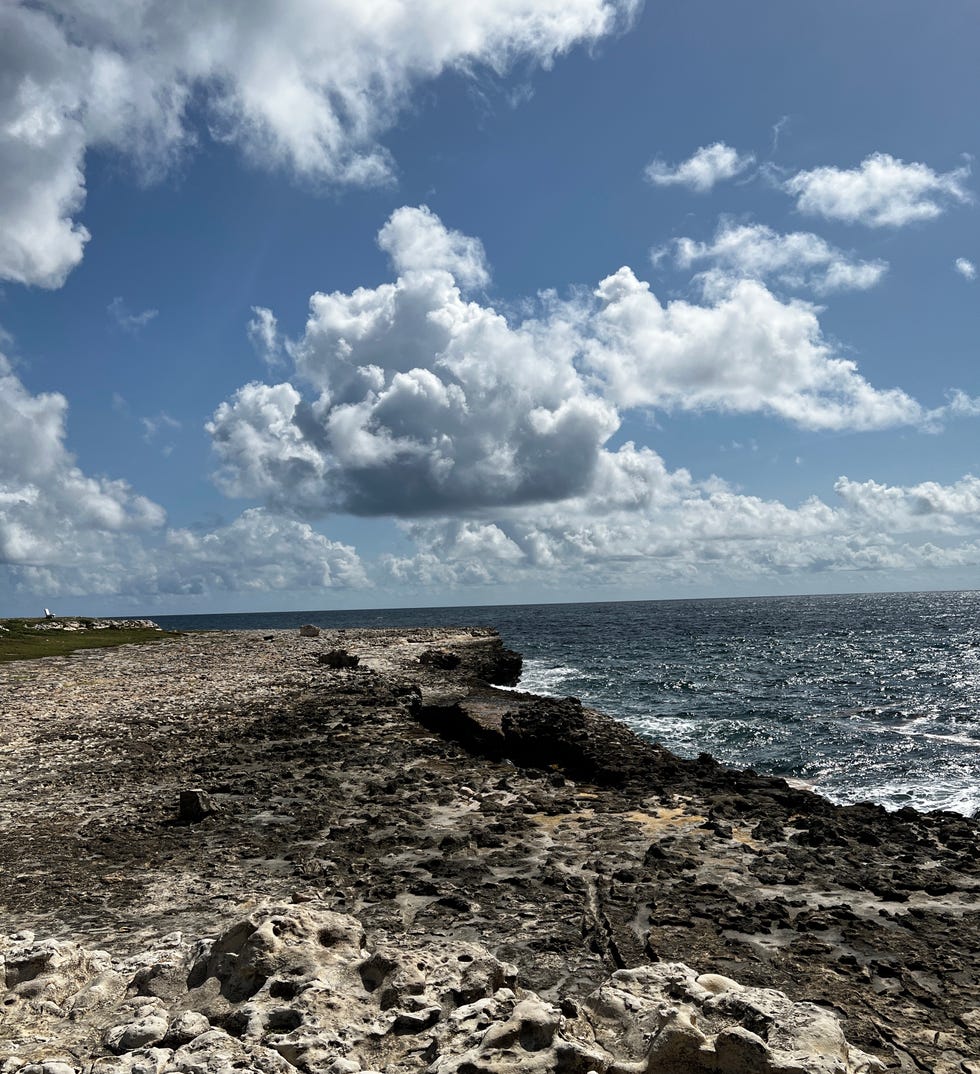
(369, 303)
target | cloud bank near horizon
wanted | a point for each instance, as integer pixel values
(64, 532)
(490, 438)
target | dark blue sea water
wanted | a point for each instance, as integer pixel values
(867, 697)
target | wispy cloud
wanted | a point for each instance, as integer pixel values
(777, 131)
(263, 334)
(967, 269)
(126, 319)
(159, 426)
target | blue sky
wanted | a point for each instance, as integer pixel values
(315, 306)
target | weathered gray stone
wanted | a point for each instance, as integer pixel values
(149, 1029)
(194, 805)
(295, 986)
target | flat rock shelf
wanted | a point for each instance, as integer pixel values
(246, 851)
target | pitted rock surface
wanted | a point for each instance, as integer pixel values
(441, 812)
(299, 988)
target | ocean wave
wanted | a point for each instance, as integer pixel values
(541, 677)
(926, 795)
(959, 739)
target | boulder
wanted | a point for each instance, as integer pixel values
(194, 805)
(338, 658)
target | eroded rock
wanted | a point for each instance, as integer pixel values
(193, 805)
(297, 987)
(338, 658)
(440, 658)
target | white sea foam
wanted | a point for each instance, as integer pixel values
(957, 797)
(542, 677)
(960, 739)
(681, 734)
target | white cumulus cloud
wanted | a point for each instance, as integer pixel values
(42, 148)
(416, 239)
(967, 269)
(65, 532)
(410, 399)
(746, 351)
(306, 85)
(711, 164)
(926, 505)
(496, 416)
(50, 511)
(798, 259)
(257, 552)
(881, 192)
(422, 400)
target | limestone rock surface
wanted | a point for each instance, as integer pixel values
(297, 987)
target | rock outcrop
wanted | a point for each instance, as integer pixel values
(301, 988)
(338, 658)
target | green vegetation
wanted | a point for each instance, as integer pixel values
(20, 641)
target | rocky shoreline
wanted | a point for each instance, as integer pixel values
(506, 882)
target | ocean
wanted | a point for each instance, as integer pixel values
(871, 697)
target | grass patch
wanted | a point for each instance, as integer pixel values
(20, 641)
